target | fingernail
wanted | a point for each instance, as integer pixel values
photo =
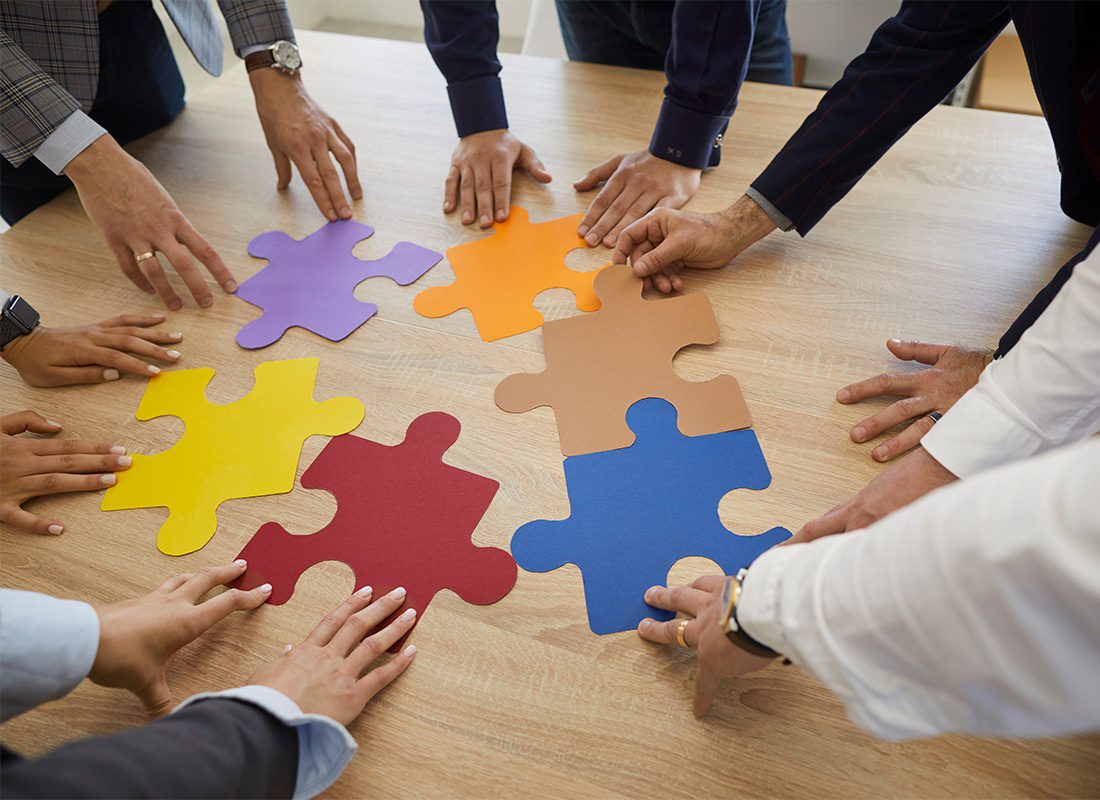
(175, 305)
(177, 336)
(644, 624)
(447, 207)
(265, 589)
(118, 449)
(843, 395)
(173, 354)
(398, 593)
(108, 479)
(206, 302)
(485, 219)
(364, 592)
(500, 214)
(152, 369)
(110, 374)
(53, 424)
(582, 230)
(649, 592)
(345, 212)
(609, 240)
(125, 461)
(591, 239)
(331, 214)
(467, 216)
(858, 433)
(287, 649)
(409, 651)
(895, 341)
(157, 315)
(230, 286)
(55, 529)
(410, 614)
(879, 452)
(240, 563)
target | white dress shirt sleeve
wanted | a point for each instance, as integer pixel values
(1044, 393)
(68, 140)
(974, 610)
(47, 647)
(325, 747)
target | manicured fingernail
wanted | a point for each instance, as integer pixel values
(55, 529)
(53, 424)
(485, 219)
(843, 395)
(287, 649)
(240, 563)
(858, 433)
(110, 374)
(582, 230)
(152, 369)
(177, 336)
(895, 341)
(118, 449)
(230, 286)
(409, 651)
(173, 354)
(108, 479)
(409, 614)
(265, 589)
(398, 593)
(124, 461)
(364, 592)
(591, 239)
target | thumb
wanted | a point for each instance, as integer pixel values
(156, 696)
(600, 172)
(530, 162)
(12, 424)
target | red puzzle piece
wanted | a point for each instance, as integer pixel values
(404, 518)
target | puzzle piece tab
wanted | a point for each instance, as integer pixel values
(635, 512)
(598, 364)
(246, 448)
(498, 277)
(310, 283)
(403, 518)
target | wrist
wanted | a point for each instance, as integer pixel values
(748, 220)
(12, 352)
(95, 159)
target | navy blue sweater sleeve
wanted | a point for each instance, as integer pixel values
(462, 36)
(706, 64)
(913, 61)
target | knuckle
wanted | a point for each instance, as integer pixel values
(208, 572)
(49, 481)
(332, 618)
(66, 460)
(315, 182)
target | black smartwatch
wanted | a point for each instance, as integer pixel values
(17, 318)
(727, 618)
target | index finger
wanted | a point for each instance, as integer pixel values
(899, 384)
(314, 182)
(677, 598)
(332, 181)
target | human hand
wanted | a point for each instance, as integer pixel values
(954, 370)
(480, 178)
(136, 215)
(635, 183)
(910, 478)
(92, 353)
(137, 637)
(718, 657)
(36, 467)
(325, 673)
(664, 241)
(298, 130)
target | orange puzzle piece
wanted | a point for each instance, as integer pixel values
(498, 277)
(598, 365)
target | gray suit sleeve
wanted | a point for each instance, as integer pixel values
(212, 749)
(255, 22)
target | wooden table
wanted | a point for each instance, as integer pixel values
(946, 239)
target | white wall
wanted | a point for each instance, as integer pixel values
(833, 32)
(406, 13)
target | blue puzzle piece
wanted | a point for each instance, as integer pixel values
(639, 510)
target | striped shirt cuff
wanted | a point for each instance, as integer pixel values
(781, 220)
(68, 140)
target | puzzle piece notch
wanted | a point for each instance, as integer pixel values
(403, 518)
(246, 448)
(601, 363)
(625, 537)
(498, 277)
(310, 283)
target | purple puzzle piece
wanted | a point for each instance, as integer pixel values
(310, 283)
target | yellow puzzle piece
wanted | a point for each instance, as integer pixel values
(499, 277)
(246, 448)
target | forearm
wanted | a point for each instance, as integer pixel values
(976, 609)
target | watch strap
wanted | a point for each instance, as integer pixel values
(9, 332)
(736, 634)
(262, 59)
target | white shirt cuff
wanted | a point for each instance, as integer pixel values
(254, 48)
(758, 607)
(325, 747)
(68, 140)
(47, 647)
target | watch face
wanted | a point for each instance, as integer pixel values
(286, 55)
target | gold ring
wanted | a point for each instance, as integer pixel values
(143, 256)
(680, 633)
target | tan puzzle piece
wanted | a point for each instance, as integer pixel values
(599, 364)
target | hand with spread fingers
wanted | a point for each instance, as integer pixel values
(952, 372)
(37, 467)
(92, 353)
(480, 179)
(331, 672)
(718, 657)
(138, 637)
(908, 479)
(141, 224)
(634, 184)
(663, 242)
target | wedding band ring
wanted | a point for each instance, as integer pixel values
(143, 256)
(680, 640)
(935, 416)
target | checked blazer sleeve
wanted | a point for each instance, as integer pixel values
(32, 104)
(256, 22)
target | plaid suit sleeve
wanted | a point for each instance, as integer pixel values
(256, 22)
(32, 104)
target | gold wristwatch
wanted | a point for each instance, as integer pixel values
(727, 618)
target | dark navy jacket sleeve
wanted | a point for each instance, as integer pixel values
(913, 61)
(706, 64)
(462, 36)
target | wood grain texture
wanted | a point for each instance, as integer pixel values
(946, 239)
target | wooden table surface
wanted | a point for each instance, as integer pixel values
(946, 239)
